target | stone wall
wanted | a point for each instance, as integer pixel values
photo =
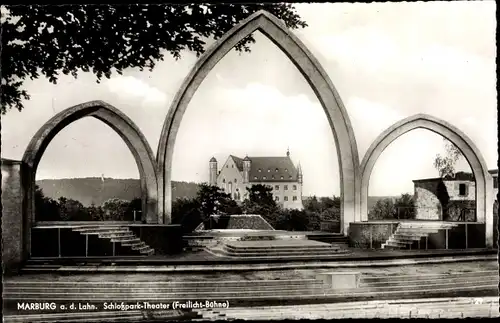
(12, 219)
(427, 204)
(431, 194)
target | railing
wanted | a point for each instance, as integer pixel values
(452, 214)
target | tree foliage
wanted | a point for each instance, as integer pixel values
(401, 208)
(47, 40)
(66, 209)
(445, 165)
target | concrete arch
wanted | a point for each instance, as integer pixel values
(484, 185)
(314, 74)
(122, 125)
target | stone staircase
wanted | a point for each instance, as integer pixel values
(277, 249)
(418, 308)
(120, 235)
(414, 235)
(242, 293)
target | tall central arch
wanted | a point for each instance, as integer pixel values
(314, 74)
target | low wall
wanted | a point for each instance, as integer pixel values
(370, 235)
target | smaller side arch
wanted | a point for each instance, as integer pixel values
(122, 125)
(484, 185)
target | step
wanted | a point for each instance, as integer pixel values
(127, 234)
(209, 282)
(163, 289)
(402, 240)
(424, 276)
(417, 283)
(282, 249)
(285, 250)
(408, 236)
(112, 228)
(396, 243)
(126, 240)
(253, 296)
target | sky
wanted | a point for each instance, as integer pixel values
(387, 61)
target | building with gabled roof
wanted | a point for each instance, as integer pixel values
(280, 173)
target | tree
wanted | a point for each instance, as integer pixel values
(405, 207)
(186, 212)
(383, 209)
(47, 40)
(115, 209)
(260, 201)
(445, 165)
(46, 209)
(312, 204)
(135, 206)
(213, 201)
(71, 210)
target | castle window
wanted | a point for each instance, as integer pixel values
(264, 177)
(260, 170)
(232, 166)
(255, 177)
(227, 166)
(285, 187)
(294, 187)
(223, 180)
(294, 198)
(286, 169)
(282, 177)
(462, 189)
(276, 187)
(495, 182)
(290, 177)
(235, 180)
(276, 198)
(272, 177)
(268, 170)
(276, 170)
(285, 198)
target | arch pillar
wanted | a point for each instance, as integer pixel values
(484, 183)
(122, 125)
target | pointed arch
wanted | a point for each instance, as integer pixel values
(122, 125)
(314, 74)
(484, 185)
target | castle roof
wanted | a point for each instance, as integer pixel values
(212, 160)
(269, 169)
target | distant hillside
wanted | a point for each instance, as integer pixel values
(93, 190)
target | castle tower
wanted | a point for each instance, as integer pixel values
(299, 173)
(247, 165)
(288, 152)
(213, 172)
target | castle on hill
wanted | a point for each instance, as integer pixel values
(279, 173)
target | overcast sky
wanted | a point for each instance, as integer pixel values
(387, 60)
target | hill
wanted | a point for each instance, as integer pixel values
(94, 190)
